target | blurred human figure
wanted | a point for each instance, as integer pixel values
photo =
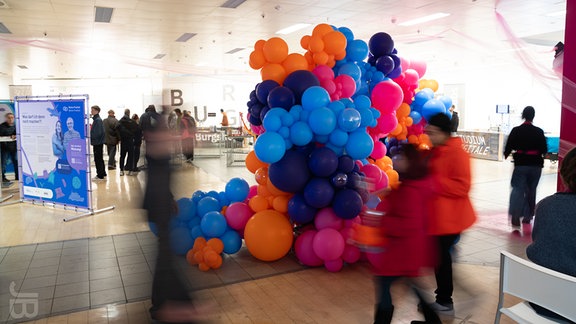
(58, 148)
(171, 301)
(450, 208)
(409, 249)
(527, 144)
(224, 121)
(126, 128)
(188, 131)
(9, 149)
(554, 235)
(112, 138)
(97, 139)
(137, 142)
(455, 120)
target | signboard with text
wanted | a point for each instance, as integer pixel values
(483, 145)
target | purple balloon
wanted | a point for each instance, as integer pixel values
(385, 64)
(323, 162)
(347, 203)
(264, 88)
(299, 211)
(281, 97)
(318, 193)
(345, 164)
(300, 80)
(290, 174)
(381, 44)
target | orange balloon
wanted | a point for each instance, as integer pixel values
(393, 179)
(203, 267)
(199, 256)
(409, 121)
(216, 245)
(295, 62)
(387, 160)
(413, 139)
(257, 60)
(268, 235)
(273, 71)
(258, 203)
(321, 58)
(199, 243)
(211, 257)
(262, 190)
(331, 61)
(316, 44)
(275, 50)
(305, 41)
(253, 163)
(340, 56)
(403, 110)
(259, 45)
(334, 42)
(423, 146)
(433, 84)
(280, 203)
(190, 257)
(322, 29)
(309, 58)
(261, 175)
(216, 264)
(396, 131)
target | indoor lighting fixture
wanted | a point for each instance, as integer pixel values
(185, 37)
(232, 3)
(237, 49)
(292, 29)
(159, 56)
(424, 19)
(103, 14)
(23, 67)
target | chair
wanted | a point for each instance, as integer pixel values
(533, 283)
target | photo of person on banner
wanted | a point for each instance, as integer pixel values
(58, 148)
(71, 133)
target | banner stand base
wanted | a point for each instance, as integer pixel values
(91, 212)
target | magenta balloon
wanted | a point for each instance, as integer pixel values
(252, 192)
(326, 218)
(383, 183)
(351, 254)
(328, 244)
(237, 215)
(411, 77)
(348, 85)
(419, 66)
(387, 96)
(323, 73)
(372, 172)
(379, 150)
(304, 251)
(334, 265)
(387, 123)
(328, 85)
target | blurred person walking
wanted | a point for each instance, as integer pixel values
(188, 131)
(137, 142)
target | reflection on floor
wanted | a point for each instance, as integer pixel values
(97, 269)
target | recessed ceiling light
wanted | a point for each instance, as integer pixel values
(237, 49)
(4, 30)
(424, 19)
(232, 3)
(159, 56)
(185, 37)
(291, 29)
(103, 14)
(23, 67)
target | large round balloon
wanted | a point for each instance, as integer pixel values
(381, 44)
(213, 224)
(322, 121)
(323, 162)
(237, 215)
(304, 250)
(281, 97)
(359, 145)
(318, 192)
(264, 88)
(232, 242)
(270, 147)
(347, 203)
(299, 81)
(268, 235)
(206, 205)
(299, 211)
(290, 174)
(328, 244)
(432, 107)
(237, 189)
(387, 96)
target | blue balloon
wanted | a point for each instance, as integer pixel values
(359, 145)
(432, 107)
(381, 44)
(281, 97)
(206, 205)
(416, 117)
(322, 121)
(213, 224)
(197, 195)
(232, 241)
(318, 192)
(347, 203)
(273, 119)
(300, 80)
(299, 211)
(356, 50)
(323, 162)
(336, 107)
(290, 174)
(196, 232)
(446, 100)
(186, 208)
(338, 138)
(181, 240)
(301, 133)
(269, 147)
(214, 194)
(153, 228)
(421, 97)
(315, 97)
(362, 102)
(264, 88)
(395, 73)
(351, 69)
(224, 201)
(237, 189)
(347, 33)
(349, 119)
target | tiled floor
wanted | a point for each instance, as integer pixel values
(103, 264)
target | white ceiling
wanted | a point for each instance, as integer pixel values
(58, 39)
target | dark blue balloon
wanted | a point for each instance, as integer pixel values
(381, 44)
(347, 203)
(319, 193)
(345, 164)
(323, 162)
(264, 88)
(263, 112)
(255, 119)
(300, 80)
(281, 97)
(385, 64)
(290, 174)
(299, 211)
(395, 73)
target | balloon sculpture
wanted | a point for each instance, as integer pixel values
(327, 123)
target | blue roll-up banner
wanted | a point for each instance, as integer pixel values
(54, 150)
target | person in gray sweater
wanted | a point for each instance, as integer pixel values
(554, 235)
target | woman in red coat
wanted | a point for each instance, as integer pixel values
(409, 249)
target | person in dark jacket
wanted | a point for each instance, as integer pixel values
(455, 120)
(527, 144)
(126, 129)
(97, 141)
(9, 149)
(111, 138)
(137, 142)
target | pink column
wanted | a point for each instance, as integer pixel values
(568, 114)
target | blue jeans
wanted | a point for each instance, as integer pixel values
(12, 156)
(523, 197)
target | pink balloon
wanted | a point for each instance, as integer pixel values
(405, 63)
(379, 150)
(334, 265)
(252, 192)
(323, 72)
(346, 232)
(412, 77)
(328, 244)
(419, 66)
(351, 254)
(383, 183)
(387, 96)
(304, 251)
(326, 218)
(237, 215)
(329, 86)
(347, 84)
(257, 129)
(387, 123)
(372, 172)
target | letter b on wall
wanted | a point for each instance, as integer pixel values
(176, 98)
